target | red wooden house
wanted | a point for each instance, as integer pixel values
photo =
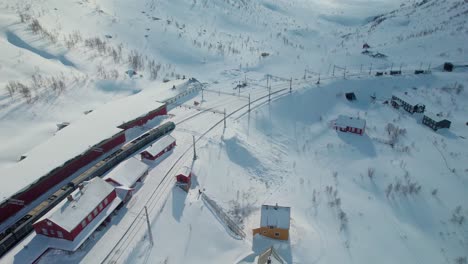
(350, 124)
(158, 148)
(184, 178)
(76, 219)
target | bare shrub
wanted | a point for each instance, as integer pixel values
(370, 173)
(97, 44)
(136, 61)
(25, 91)
(394, 133)
(11, 87)
(35, 26)
(457, 216)
(153, 69)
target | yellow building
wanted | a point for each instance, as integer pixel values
(274, 222)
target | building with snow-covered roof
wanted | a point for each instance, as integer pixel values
(274, 222)
(80, 214)
(184, 178)
(350, 124)
(158, 148)
(435, 121)
(409, 104)
(270, 256)
(127, 173)
(54, 163)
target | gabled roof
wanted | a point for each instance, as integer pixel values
(184, 171)
(127, 172)
(346, 121)
(406, 98)
(270, 254)
(434, 116)
(161, 144)
(277, 216)
(71, 213)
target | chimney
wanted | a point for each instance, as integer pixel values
(276, 206)
(70, 198)
(81, 186)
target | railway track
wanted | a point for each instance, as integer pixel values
(160, 192)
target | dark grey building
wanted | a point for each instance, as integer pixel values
(435, 122)
(401, 100)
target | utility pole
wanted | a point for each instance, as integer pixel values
(149, 227)
(290, 85)
(269, 94)
(344, 73)
(305, 74)
(224, 117)
(333, 74)
(318, 81)
(202, 95)
(194, 150)
(370, 69)
(249, 103)
(268, 77)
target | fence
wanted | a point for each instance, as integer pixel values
(190, 90)
(223, 216)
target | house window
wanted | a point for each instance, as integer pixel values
(52, 232)
(90, 217)
(83, 223)
(277, 234)
(49, 223)
(44, 231)
(60, 234)
(100, 206)
(95, 212)
(105, 201)
(271, 227)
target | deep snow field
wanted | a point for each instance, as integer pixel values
(342, 188)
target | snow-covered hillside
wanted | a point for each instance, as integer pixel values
(60, 59)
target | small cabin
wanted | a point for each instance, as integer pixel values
(184, 178)
(158, 148)
(402, 100)
(448, 67)
(350, 124)
(350, 96)
(435, 121)
(274, 222)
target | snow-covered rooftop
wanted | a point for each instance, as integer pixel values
(277, 216)
(406, 98)
(71, 213)
(184, 170)
(270, 255)
(127, 172)
(347, 121)
(434, 116)
(78, 137)
(161, 144)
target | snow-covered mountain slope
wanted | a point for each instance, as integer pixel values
(83, 42)
(59, 59)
